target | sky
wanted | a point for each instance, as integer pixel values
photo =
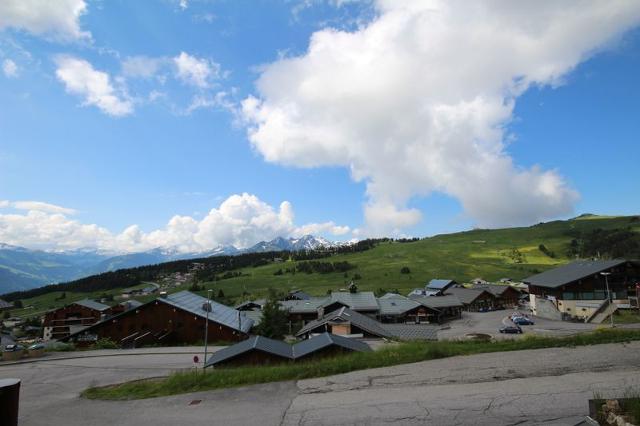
(126, 126)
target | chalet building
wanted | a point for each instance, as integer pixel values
(258, 350)
(297, 295)
(5, 305)
(449, 307)
(179, 318)
(440, 286)
(395, 308)
(579, 289)
(305, 310)
(474, 300)
(72, 318)
(349, 323)
(505, 295)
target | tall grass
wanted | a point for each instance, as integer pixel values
(184, 382)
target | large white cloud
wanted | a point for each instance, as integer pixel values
(95, 87)
(59, 19)
(417, 101)
(241, 220)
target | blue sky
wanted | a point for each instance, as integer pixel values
(182, 139)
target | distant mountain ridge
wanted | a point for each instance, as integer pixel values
(24, 269)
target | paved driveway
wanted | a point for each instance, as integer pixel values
(490, 322)
(546, 386)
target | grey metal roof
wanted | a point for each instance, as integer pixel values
(438, 302)
(91, 304)
(396, 304)
(301, 295)
(260, 343)
(321, 341)
(5, 305)
(248, 303)
(361, 301)
(347, 315)
(437, 284)
(284, 350)
(571, 272)
(221, 314)
(412, 331)
(131, 304)
(495, 289)
(466, 295)
(303, 306)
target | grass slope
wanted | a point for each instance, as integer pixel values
(186, 382)
(460, 256)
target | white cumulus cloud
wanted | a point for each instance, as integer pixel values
(196, 71)
(241, 220)
(59, 19)
(9, 68)
(418, 100)
(95, 87)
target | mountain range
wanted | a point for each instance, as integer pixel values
(24, 269)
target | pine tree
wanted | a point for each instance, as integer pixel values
(274, 319)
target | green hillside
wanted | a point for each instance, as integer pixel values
(463, 256)
(490, 254)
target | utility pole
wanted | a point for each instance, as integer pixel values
(206, 329)
(606, 281)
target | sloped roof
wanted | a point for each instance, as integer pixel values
(571, 272)
(260, 343)
(131, 304)
(361, 301)
(438, 284)
(248, 303)
(438, 302)
(495, 289)
(303, 306)
(5, 305)
(347, 315)
(395, 304)
(284, 350)
(412, 331)
(91, 304)
(301, 295)
(321, 341)
(219, 313)
(467, 295)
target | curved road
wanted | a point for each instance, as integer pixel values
(546, 387)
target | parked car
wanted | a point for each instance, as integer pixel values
(522, 321)
(13, 348)
(511, 329)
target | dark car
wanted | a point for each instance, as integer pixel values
(511, 329)
(523, 321)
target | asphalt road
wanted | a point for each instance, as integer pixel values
(546, 386)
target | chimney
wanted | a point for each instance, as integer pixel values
(206, 306)
(163, 294)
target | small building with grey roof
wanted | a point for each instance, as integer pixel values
(474, 300)
(259, 350)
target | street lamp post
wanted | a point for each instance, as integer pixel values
(206, 328)
(606, 281)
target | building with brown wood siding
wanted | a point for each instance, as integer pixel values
(72, 318)
(179, 318)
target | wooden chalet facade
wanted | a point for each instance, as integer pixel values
(62, 322)
(179, 318)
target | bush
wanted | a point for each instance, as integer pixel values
(105, 343)
(405, 270)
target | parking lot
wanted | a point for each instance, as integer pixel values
(490, 322)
